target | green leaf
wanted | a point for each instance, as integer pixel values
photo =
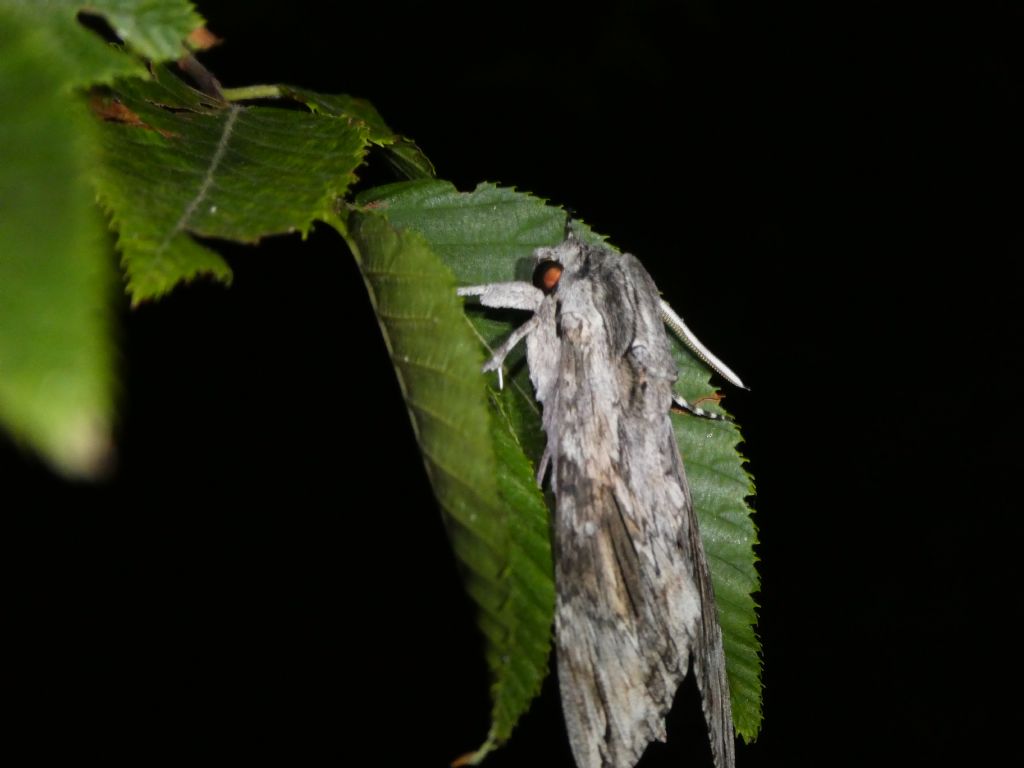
(521, 666)
(178, 163)
(403, 154)
(489, 235)
(720, 485)
(154, 29)
(56, 278)
(494, 513)
(55, 273)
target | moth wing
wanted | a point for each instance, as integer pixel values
(634, 593)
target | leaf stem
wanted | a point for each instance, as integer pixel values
(248, 92)
(202, 77)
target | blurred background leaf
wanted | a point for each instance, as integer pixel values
(56, 274)
(154, 29)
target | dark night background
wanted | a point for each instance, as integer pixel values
(828, 192)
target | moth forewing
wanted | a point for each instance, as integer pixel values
(634, 595)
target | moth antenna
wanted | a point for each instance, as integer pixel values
(685, 335)
(569, 233)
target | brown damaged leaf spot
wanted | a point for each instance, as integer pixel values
(202, 39)
(112, 110)
(715, 397)
(109, 108)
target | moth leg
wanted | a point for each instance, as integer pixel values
(517, 295)
(495, 363)
(685, 335)
(681, 402)
(542, 468)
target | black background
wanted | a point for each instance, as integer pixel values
(828, 192)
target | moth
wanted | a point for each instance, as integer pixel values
(634, 597)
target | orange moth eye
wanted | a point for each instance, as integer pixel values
(546, 275)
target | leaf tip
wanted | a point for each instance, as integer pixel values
(472, 758)
(202, 39)
(85, 450)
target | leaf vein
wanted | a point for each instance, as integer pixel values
(404, 361)
(204, 187)
(457, 429)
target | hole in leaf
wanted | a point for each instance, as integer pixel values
(99, 25)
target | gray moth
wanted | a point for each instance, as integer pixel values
(635, 602)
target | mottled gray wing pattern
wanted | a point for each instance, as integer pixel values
(635, 599)
(634, 594)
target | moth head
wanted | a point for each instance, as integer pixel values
(553, 263)
(547, 275)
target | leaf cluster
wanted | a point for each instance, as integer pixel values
(169, 166)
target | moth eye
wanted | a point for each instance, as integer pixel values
(546, 275)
